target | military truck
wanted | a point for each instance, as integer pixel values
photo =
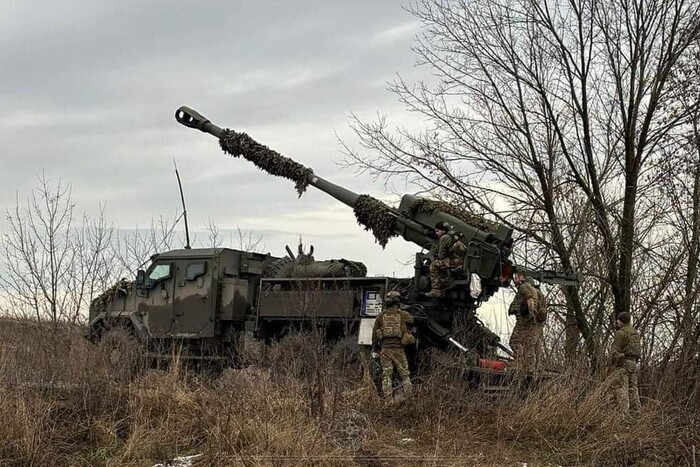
(203, 299)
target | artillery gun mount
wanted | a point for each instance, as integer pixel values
(204, 300)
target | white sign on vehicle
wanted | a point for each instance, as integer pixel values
(372, 303)
(364, 336)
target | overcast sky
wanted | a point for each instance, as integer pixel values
(89, 91)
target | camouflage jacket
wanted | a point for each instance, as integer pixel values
(389, 342)
(443, 247)
(626, 345)
(451, 248)
(519, 307)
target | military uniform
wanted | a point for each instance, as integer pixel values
(449, 255)
(527, 338)
(388, 330)
(624, 355)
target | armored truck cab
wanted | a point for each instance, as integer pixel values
(202, 299)
(198, 297)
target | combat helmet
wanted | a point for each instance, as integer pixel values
(442, 225)
(392, 296)
(624, 317)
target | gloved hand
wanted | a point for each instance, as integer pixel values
(532, 306)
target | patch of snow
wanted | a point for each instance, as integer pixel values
(184, 461)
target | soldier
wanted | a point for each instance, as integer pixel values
(540, 322)
(389, 329)
(530, 312)
(624, 355)
(449, 256)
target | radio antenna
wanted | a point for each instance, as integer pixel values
(184, 208)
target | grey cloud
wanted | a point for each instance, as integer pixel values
(89, 90)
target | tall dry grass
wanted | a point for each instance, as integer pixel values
(305, 402)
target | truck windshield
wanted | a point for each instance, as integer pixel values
(160, 271)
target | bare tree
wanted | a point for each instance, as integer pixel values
(134, 247)
(93, 265)
(241, 239)
(213, 234)
(37, 254)
(679, 319)
(52, 268)
(545, 116)
(247, 240)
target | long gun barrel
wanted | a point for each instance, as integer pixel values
(414, 220)
(564, 278)
(193, 119)
(488, 243)
(240, 144)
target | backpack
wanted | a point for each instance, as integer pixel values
(542, 311)
(522, 309)
(457, 252)
(407, 339)
(634, 345)
(392, 325)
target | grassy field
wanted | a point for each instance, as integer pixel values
(303, 403)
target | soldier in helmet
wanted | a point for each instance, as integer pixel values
(624, 355)
(389, 336)
(448, 256)
(530, 313)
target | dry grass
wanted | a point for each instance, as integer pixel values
(303, 402)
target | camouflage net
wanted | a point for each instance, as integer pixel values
(272, 162)
(99, 304)
(429, 206)
(375, 216)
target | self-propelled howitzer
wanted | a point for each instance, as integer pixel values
(488, 244)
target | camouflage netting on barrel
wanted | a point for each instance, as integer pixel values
(374, 215)
(429, 206)
(272, 162)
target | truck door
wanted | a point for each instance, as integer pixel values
(155, 298)
(195, 299)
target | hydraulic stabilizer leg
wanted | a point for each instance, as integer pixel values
(457, 344)
(443, 333)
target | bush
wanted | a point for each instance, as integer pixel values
(303, 401)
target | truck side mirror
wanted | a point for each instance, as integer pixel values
(140, 277)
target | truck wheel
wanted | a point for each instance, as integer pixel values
(274, 269)
(121, 352)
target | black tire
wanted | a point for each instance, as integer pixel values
(120, 352)
(274, 268)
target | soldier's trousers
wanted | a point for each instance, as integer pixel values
(538, 342)
(390, 359)
(526, 340)
(439, 274)
(623, 385)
